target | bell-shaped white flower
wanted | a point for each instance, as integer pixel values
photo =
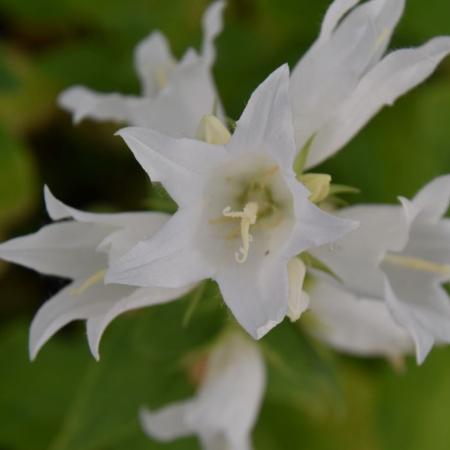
(353, 324)
(175, 95)
(401, 254)
(242, 213)
(81, 248)
(225, 408)
(344, 79)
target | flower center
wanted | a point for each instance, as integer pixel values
(249, 209)
(421, 265)
(248, 217)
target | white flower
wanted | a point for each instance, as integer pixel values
(81, 249)
(242, 214)
(344, 79)
(226, 406)
(357, 325)
(401, 254)
(175, 95)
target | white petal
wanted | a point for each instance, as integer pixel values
(182, 165)
(167, 423)
(332, 68)
(170, 259)
(313, 226)
(67, 306)
(144, 227)
(176, 108)
(126, 228)
(227, 404)
(430, 242)
(83, 103)
(212, 26)
(230, 396)
(266, 123)
(152, 54)
(355, 258)
(334, 14)
(57, 210)
(190, 94)
(433, 199)
(396, 74)
(59, 249)
(139, 298)
(418, 303)
(256, 291)
(356, 325)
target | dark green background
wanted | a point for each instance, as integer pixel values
(316, 399)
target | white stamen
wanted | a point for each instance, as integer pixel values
(248, 217)
(421, 265)
(91, 281)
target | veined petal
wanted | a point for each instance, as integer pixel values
(59, 249)
(171, 258)
(356, 325)
(182, 165)
(347, 53)
(266, 123)
(152, 59)
(212, 26)
(96, 324)
(69, 305)
(396, 74)
(83, 103)
(355, 258)
(434, 198)
(420, 304)
(313, 227)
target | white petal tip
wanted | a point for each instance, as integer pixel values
(94, 345)
(32, 355)
(263, 330)
(33, 349)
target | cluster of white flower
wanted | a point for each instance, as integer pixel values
(251, 219)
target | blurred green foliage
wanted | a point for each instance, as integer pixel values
(316, 400)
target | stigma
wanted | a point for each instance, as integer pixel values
(248, 217)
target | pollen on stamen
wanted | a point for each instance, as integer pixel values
(248, 217)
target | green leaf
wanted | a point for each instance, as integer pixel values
(160, 200)
(298, 374)
(34, 396)
(67, 401)
(17, 179)
(30, 101)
